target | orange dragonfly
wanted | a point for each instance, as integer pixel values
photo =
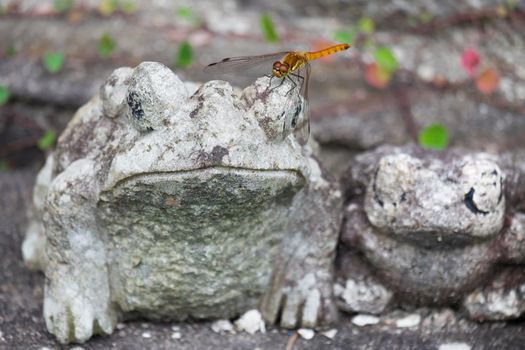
(286, 64)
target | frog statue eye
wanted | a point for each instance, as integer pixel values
(282, 108)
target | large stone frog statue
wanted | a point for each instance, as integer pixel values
(167, 206)
(427, 228)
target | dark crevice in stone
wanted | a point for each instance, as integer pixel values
(374, 188)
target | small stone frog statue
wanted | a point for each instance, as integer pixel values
(169, 206)
(434, 228)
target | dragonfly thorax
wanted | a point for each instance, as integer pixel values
(291, 62)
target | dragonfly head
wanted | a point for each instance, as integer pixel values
(280, 69)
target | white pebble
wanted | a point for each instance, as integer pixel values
(426, 72)
(77, 348)
(251, 322)
(330, 333)
(175, 328)
(176, 335)
(306, 333)
(120, 326)
(146, 335)
(222, 326)
(364, 320)
(454, 346)
(408, 321)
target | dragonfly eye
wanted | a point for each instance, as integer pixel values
(276, 70)
(283, 68)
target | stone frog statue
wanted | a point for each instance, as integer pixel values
(429, 228)
(165, 206)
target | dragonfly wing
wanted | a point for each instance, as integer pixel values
(242, 63)
(302, 132)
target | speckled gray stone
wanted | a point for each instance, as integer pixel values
(175, 207)
(114, 91)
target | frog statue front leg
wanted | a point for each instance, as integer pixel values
(77, 294)
(300, 291)
(66, 241)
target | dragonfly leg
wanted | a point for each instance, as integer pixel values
(278, 86)
(299, 77)
(293, 82)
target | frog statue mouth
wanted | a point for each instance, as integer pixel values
(203, 189)
(432, 238)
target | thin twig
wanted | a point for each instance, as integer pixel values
(291, 341)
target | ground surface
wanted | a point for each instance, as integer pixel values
(22, 325)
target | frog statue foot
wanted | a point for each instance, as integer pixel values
(170, 205)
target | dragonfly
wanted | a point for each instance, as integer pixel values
(286, 65)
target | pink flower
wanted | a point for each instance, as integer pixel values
(469, 60)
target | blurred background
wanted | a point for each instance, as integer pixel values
(439, 73)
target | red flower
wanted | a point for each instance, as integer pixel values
(470, 60)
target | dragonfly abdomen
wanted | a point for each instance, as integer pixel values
(325, 52)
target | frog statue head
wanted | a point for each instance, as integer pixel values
(168, 206)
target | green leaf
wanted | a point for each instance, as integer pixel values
(106, 45)
(184, 55)
(4, 165)
(366, 25)
(187, 15)
(184, 12)
(385, 58)
(63, 5)
(268, 29)
(4, 95)
(344, 36)
(47, 140)
(434, 136)
(53, 61)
